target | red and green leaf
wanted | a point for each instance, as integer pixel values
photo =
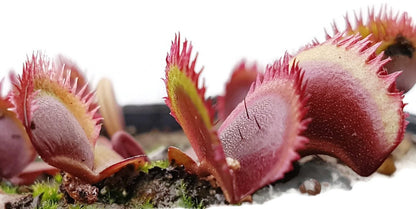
(194, 113)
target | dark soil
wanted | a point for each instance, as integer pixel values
(160, 188)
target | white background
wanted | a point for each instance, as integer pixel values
(128, 41)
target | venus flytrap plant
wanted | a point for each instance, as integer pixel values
(356, 110)
(230, 156)
(195, 114)
(331, 98)
(61, 126)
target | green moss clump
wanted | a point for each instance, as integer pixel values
(8, 188)
(186, 201)
(147, 205)
(159, 163)
(58, 178)
(48, 193)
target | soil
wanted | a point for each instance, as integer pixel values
(159, 188)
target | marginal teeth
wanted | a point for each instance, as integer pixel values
(391, 33)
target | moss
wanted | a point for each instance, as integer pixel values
(159, 163)
(48, 193)
(186, 201)
(147, 205)
(8, 188)
(58, 178)
(159, 185)
(49, 205)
